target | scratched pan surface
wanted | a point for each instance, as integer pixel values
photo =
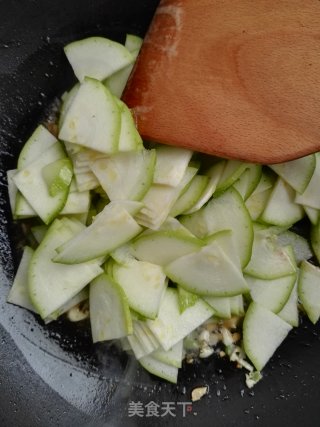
(54, 376)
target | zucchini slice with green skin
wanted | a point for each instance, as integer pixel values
(297, 173)
(129, 138)
(171, 357)
(272, 294)
(32, 185)
(93, 119)
(236, 305)
(290, 312)
(96, 57)
(263, 332)
(256, 202)
(171, 326)
(214, 174)
(126, 176)
(144, 335)
(50, 284)
(110, 316)
(220, 305)
(171, 165)
(58, 176)
(248, 180)
(269, 259)
(23, 209)
(67, 102)
(315, 240)
(311, 196)
(186, 299)
(231, 173)
(40, 141)
(111, 228)
(300, 246)
(133, 42)
(309, 290)
(77, 203)
(77, 299)
(118, 80)
(226, 211)
(160, 369)
(19, 293)
(163, 247)
(143, 283)
(281, 208)
(159, 200)
(191, 196)
(209, 271)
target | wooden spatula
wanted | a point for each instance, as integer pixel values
(234, 78)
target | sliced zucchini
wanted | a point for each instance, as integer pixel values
(40, 141)
(93, 119)
(133, 42)
(159, 200)
(232, 171)
(96, 57)
(171, 165)
(309, 290)
(31, 183)
(23, 209)
(281, 208)
(220, 305)
(143, 283)
(163, 247)
(186, 299)
(126, 176)
(111, 228)
(19, 292)
(214, 174)
(77, 203)
(67, 102)
(258, 199)
(269, 259)
(272, 294)
(191, 196)
(209, 271)
(224, 212)
(110, 316)
(171, 326)
(290, 312)
(160, 369)
(82, 296)
(301, 247)
(50, 284)
(297, 173)
(248, 180)
(311, 195)
(144, 335)
(171, 357)
(263, 332)
(118, 80)
(315, 239)
(129, 138)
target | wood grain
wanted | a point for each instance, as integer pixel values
(238, 79)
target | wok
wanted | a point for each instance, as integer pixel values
(52, 375)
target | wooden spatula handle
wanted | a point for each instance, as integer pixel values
(237, 79)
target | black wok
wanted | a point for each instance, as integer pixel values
(53, 375)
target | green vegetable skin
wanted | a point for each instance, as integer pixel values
(127, 218)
